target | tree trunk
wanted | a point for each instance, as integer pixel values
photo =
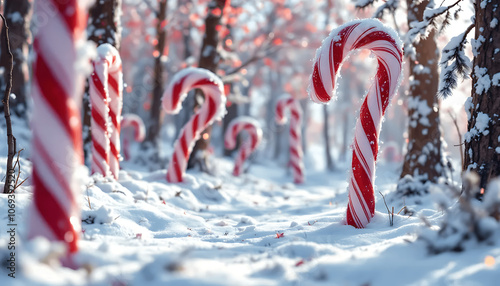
(209, 59)
(423, 159)
(232, 113)
(104, 27)
(303, 128)
(18, 16)
(105, 22)
(231, 110)
(482, 141)
(326, 123)
(184, 114)
(153, 129)
(326, 138)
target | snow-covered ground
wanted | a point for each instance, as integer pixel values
(259, 229)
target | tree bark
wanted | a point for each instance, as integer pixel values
(209, 59)
(423, 160)
(104, 27)
(482, 141)
(18, 15)
(154, 125)
(105, 22)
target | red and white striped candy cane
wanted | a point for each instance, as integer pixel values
(58, 82)
(387, 48)
(213, 108)
(105, 90)
(134, 122)
(251, 126)
(296, 152)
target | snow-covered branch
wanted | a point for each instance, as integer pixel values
(389, 6)
(360, 4)
(431, 20)
(454, 64)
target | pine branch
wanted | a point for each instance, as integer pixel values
(454, 64)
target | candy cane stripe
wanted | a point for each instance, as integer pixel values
(296, 153)
(386, 46)
(48, 173)
(131, 121)
(58, 107)
(57, 142)
(251, 126)
(106, 88)
(213, 107)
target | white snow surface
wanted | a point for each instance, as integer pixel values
(258, 229)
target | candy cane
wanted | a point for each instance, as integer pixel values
(296, 153)
(386, 46)
(57, 155)
(134, 122)
(115, 87)
(251, 126)
(105, 92)
(213, 108)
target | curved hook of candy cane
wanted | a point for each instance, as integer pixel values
(213, 108)
(384, 43)
(252, 127)
(296, 153)
(134, 122)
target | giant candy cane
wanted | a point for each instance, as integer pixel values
(251, 126)
(105, 90)
(57, 154)
(296, 152)
(135, 122)
(213, 108)
(387, 48)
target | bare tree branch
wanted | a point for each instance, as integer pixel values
(11, 140)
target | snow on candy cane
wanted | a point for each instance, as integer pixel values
(385, 45)
(134, 122)
(213, 108)
(57, 155)
(296, 152)
(251, 126)
(105, 90)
